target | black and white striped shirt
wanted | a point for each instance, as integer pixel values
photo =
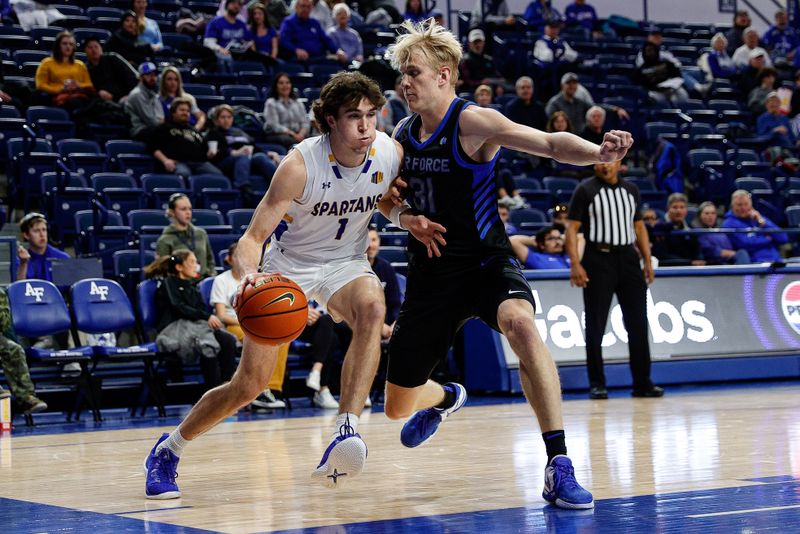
(606, 212)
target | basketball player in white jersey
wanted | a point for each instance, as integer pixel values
(326, 190)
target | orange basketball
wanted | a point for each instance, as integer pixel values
(273, 311)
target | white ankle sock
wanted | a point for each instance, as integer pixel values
(175, 442)
(344, 419)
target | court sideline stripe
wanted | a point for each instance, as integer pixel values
(750, 511)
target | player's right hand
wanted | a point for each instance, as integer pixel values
(249, 280)
(428, 233)
(578, 276)
(396, 191)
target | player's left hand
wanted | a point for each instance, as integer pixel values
(615, 145)
(428, 233)
(396, 191)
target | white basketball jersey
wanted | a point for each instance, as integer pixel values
(330, 221)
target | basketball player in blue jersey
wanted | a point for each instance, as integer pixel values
(450, 148)
(326, 189)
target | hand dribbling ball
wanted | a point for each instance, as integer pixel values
(273, 311)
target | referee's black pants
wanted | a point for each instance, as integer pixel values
(616, 271)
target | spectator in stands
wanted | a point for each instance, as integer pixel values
(720, 64)
(303, 39)
(716, 247)
(148, 32)
(545, 251)
(227, 34)
(185, 326)
(540, 13)
(388, 278)
(492, 14)
(795, 104)
(553, 53)
(112, 77)
(748, 79)
(560, 217)
(575, 101)
(285, 119)
(238, 156)
(655, 37)
(595, 120)
(343, 36)
(741, 56)
(222, 291)
(396, 107)
(676, 249)
(13, 93)
(61, 79)
(559, 122)
(483, 96)
(320, 334)
(742, 215)
(505, 216)
(414, 11)
(170, 88)
(650, 218)
(523, 109)
(182, 234)
(765, 84)
(660, 77)
(579, 13)
(774, 124)
(477, 68)
(124, 41)
(781, 40)
(33, 261)
(15, 366)
(265, 37)
(143, 106)
(736, 35)
(178, 147)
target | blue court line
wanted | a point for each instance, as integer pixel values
(668, 513)
(665, 513)
(22, 517)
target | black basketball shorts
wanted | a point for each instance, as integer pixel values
(438, 303)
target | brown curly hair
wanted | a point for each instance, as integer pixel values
(345, 89)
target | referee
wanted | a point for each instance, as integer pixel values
(608, 210)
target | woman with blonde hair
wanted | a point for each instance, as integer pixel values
(170, 88)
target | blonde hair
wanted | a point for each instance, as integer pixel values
(438, 46)
(162, 86)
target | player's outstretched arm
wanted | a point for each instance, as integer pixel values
(424, 230)
(287, 184)
(487, 129)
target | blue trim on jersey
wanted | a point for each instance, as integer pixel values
(419, 146)
(483, 185)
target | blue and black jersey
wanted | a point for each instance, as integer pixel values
(448, 187)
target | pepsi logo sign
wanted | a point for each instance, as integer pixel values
(790, 304)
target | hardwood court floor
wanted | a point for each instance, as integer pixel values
(702, 461)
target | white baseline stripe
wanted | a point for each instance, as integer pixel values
(750, 511)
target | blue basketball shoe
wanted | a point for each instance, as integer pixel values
(424, 424)
(561, 488)
(161, 472)
(343, 459)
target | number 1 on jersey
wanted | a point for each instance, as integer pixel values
(342, 226)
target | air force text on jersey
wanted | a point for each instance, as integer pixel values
(343, 207)
(427, 164)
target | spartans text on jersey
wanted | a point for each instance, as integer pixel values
(356, 205)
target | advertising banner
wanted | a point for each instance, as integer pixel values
(689, 316)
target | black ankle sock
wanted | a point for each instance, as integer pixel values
(555, 443)
(449, 399)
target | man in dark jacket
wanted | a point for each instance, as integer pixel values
(676, 249)
(178, 146)
(112, 76)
